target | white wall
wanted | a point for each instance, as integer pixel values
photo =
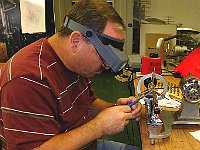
(186, 12)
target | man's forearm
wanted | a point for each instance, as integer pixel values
(75, 139)
(81, 136)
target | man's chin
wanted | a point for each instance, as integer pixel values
(87, 75)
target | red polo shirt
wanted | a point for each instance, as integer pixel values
(41, 98)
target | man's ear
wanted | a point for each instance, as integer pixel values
(75, 39)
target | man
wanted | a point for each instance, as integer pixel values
(46, 98)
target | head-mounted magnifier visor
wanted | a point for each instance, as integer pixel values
(109, 48)
(108, 40)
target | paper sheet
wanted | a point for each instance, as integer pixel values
(32, 16)
(196, 134)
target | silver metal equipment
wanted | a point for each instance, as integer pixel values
(189, 112)
(174, 54)
(157, 120)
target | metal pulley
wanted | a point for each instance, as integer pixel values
(191, 90)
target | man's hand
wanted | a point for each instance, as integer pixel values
(113, 120)
(136, 109)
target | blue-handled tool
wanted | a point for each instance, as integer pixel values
(138, 98)
(133, 103)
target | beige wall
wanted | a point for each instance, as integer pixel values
(184, 12)
(60, 7)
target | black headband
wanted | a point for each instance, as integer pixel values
(105, 39)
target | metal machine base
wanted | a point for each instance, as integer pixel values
(168, 119)
(189, 114)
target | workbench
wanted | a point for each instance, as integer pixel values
(179, 139)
